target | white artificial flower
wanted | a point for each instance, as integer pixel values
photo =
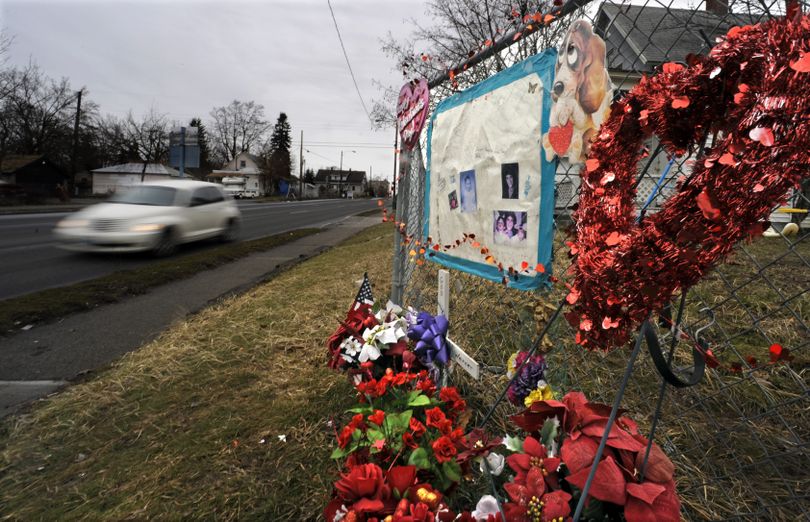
(495, 461)
(486, 506)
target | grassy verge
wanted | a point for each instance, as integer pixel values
(58, 302)
(189, 425)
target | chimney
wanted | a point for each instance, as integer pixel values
(718, 7)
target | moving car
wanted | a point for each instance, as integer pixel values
(154, 216)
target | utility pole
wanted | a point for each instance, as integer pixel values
(340, 176)
(76, 135)
(301, 168)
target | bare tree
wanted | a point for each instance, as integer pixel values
(149, 136)
(460, 29)
(236, 128)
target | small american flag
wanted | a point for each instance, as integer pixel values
(364, 295)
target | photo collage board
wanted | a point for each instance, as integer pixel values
(487, 174)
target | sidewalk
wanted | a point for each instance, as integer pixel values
(52, 205)
(40, 361)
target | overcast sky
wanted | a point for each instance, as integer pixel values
(185, 57)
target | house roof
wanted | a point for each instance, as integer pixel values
(14, 162)
(640, 37)
(348, 176)
(137, 168)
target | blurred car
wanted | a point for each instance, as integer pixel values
(154, 216)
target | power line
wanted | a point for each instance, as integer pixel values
(345, 55)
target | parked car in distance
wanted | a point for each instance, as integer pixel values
(154, 216)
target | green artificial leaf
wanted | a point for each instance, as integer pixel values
(513, 444)
(452, 471)
(397, 423)
(374, 435)
(419, 458)
(419, 399)
(365, 410)
(338, 453)
(549, 432)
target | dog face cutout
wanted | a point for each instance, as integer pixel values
(581, 94)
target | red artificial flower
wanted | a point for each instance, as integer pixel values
(426, 386)
(608, 483)
(526, 496)
(450, 395)
(345, 436)
(650, 502)
(532, 418)
(444, 449)
(477, 444)
(659, 468)
(409, 441)
(534, 456)
(364, 489)
(357, 320)
(556, 506)
(401, 478)
(578, 453)
(377, 418)
(417, 427)
(435, 417)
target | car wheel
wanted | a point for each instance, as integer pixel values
(166, 245)
(231, 231)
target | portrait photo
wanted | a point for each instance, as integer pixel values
(453, 198)
(469, 199)
(509, 181)
(509, 228)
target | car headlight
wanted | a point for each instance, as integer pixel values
(147, 227)
(73, 223)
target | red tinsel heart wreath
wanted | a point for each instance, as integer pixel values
(753, 92)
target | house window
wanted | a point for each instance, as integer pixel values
(242, 163)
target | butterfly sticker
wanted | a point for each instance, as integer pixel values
(527, 186)
(533, 87)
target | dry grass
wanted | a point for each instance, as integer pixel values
(174, 429)
(154, 436)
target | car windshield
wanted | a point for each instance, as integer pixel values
(158, 196)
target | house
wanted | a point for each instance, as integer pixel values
(638, 40)
(107, 180)
(343, 183)
(34, 174)
(241, 176)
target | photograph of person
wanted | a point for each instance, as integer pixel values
(509, 180)
(469, 201)
(453, 198)
(509, 227)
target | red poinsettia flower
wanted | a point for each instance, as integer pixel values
(556, 506)
(608, 483)
(477, 444)
(534, 456)
(651, 502)
(532, 418)
(526, 497)
(363, 489)
(659, 468)
(444, 449)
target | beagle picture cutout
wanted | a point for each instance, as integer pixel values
(581, 94)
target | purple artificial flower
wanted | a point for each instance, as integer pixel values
(527, 378)
(430, 334)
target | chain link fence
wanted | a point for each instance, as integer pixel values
(739, 439)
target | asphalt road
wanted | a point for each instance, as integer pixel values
(30, 260)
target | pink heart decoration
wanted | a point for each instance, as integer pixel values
(412, 109)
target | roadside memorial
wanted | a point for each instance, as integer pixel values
(483, 183)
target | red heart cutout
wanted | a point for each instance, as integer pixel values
(626, 271)
(560, 137)
(412, 110)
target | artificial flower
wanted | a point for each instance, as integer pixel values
(486, 507)
(528, 377)
(444, 449)
(493, 463)
(543, 392)
(364, 488)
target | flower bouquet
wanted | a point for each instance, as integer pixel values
(406, 426)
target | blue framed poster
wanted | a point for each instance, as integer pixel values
(487, 174)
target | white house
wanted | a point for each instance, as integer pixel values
(241, 175)
(107, 180)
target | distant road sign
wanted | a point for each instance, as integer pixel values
(192, 159)
(192, 136)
